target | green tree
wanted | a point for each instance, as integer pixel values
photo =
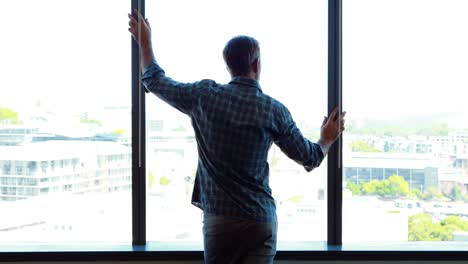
(456, 194)
(432, 193)
(422, 228)
(371, 187)
(179, 129)
(419, 227)
(295, 199)
(456, 222)
(151, 179)
(164, 181)
(417, 193)
(119, 131)
(355, 188)
(397, 186)
(362, 146)
(7, 114)
(273, 161)
(439, 130)
(84, 120)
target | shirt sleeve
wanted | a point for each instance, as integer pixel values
(298, 148)
(179, 95)
(324, 147)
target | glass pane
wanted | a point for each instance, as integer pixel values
(65, 156)
(406, 145)
(188, 45)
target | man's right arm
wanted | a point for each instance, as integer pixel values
(177, 94)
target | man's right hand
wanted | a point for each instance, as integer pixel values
(332, 127)
(141, 32)
(140, 29)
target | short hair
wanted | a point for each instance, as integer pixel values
(239, 54)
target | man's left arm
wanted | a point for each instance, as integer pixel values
(298, 148)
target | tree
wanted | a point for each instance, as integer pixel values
(151, 179)
(355, 188)
(432, 193)
(362, 146)
(8, 115)
(422, 228)
(164, 181)
(371, 187)
(295, 199)
(438, 130)
(180, 129)
(455, 222)
(456, 194)
(118, 131)
(419, 227)
(85, 120)
(396, 186)
(417, 193)
(273, 161)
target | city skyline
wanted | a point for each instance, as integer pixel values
(72, 78)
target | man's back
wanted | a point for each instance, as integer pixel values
(235, 125)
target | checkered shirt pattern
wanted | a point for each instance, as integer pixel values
(235, 125)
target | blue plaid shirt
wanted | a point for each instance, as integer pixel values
(235, 125)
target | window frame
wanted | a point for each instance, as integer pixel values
(332, 249)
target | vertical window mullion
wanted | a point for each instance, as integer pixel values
(334, 182)
(138, 144)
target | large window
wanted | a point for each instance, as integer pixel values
(405, 153)
(188, 44)
(72, 165)
(65, 157)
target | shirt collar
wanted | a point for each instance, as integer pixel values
(245, 81)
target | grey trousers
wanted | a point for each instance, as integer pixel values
(233, 240)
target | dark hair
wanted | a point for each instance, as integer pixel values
(239, 54)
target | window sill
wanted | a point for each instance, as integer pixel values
(193, 251)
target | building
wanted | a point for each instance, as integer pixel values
(63, 166)
(11, 135)
(419, 170)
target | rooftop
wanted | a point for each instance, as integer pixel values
(61, 149)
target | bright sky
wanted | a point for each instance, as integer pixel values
(400, 56)
(405, 57)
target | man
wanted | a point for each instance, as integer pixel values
(235, 125)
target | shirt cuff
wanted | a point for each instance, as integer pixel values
(324, 147)
(153, 69)
(153, 65)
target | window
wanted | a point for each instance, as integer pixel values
(404, 66)
(65, 128)
(72, 103)
(293, 71)
(6, 167)
(32, 166)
